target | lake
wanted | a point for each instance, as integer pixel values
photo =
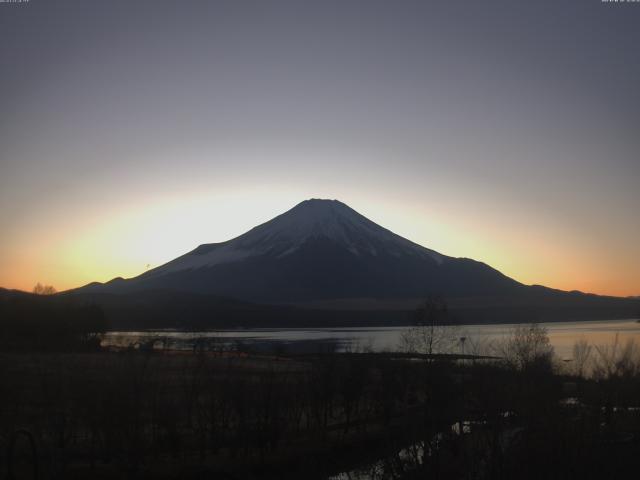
(562, 336)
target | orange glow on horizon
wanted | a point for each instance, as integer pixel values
(127, 243)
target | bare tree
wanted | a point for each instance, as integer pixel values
(432, 332)
(478, 346)
(581, 356)
(527, 347)
(40, 289)
(616, 360)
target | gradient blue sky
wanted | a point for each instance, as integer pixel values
(505, 131)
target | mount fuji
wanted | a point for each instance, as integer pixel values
(320, 264)
(320, 250)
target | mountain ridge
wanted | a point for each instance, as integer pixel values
(319, 249)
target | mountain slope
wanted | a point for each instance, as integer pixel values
(318, 250)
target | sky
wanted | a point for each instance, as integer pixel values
(499, 130)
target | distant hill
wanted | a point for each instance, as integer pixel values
(183, 310)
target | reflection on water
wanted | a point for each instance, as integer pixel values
(562, 335)
(388, 468)
(410, 458)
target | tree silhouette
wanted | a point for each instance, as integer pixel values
(432, 332)
(40, 289)
(527, 347)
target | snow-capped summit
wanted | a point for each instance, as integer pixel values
(333, 220)
(319, 249)
(310, 220)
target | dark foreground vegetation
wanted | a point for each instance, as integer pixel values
(237, 415)
(45, 323)
(71, 410)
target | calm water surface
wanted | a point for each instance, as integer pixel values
(561, 334)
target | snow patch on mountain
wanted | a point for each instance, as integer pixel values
(285, 234)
